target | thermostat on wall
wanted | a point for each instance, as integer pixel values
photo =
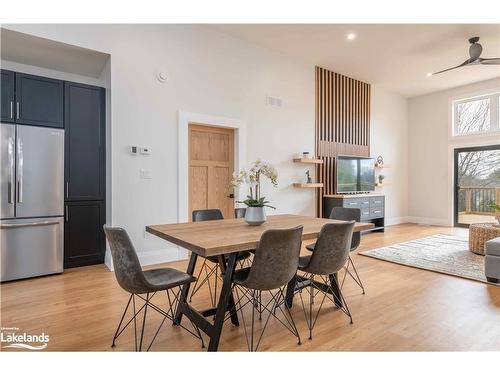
(145, 151)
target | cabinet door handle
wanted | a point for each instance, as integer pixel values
(11, 109)
(67, 214)
(67, 189)
(17, 110)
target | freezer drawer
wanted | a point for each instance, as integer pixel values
(31, 247)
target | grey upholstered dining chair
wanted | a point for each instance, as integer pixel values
(329, 256)
(274, 265)
(240, 212)
(348, 214)
(137, 282)
(210, 266)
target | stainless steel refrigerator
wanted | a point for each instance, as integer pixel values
(32, 201)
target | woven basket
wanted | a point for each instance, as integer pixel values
(479, 234)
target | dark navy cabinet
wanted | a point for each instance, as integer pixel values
(39, 101)
(84, 242)
(7, 108)
(372, 207)
(85, 142)
(85, 174)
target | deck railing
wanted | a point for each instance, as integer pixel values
(475, 200)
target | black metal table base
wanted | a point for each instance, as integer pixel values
(225, 303)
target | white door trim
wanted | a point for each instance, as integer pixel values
(240, 152)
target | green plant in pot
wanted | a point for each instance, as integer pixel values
(496, 207)
(255, 213)
(381, 178)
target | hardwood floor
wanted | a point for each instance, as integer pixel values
(404, 309)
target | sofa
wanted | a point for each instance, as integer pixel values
(492, 260)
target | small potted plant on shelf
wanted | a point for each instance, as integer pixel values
(380, 179)
(496, 207)
(255, 213)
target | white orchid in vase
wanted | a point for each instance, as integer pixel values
(252, 177)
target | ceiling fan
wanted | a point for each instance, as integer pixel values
(475, 50)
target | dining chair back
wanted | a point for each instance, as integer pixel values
(126, 264)
(348, 214)
(240, 212)
(205, 215)
(276, 259)
(332, 249)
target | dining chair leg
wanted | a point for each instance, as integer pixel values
(334, 286)
(144, 320)
(121, 321)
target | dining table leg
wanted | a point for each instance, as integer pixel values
(185, 288)
(225, 298)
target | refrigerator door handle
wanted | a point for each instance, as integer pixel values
(35, 224)
(19, 170)
(11, 181)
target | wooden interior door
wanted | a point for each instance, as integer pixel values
(211, 165)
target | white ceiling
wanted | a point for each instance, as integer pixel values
(396, 57)
(45, 53)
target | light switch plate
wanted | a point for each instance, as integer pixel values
(145, 174)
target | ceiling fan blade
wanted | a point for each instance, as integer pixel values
(494, 61)
(466, 62)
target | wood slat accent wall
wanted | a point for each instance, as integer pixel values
(342, 124)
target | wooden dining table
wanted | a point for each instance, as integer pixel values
(224, 239)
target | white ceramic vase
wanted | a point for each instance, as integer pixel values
(255, 215)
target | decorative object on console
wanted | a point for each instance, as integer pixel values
(380, 162)
(309, 179)
(381, 179)
(255, 213)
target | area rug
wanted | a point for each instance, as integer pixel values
(439, 253)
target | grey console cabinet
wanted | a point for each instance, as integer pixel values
(372, 207)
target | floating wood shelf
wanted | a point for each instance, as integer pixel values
(308, 161)
(377, 184)
(382, 166)
(306, 185)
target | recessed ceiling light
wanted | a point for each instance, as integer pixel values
(429, 74)
(351, 36)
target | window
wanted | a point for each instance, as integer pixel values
(476, 115)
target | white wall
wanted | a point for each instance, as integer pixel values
(431, 152)
(389, 138)
(210, 73)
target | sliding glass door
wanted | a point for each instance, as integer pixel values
(477, 184)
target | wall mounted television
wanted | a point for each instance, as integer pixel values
(354, 174)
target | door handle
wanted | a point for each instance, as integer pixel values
(20, 163)
(17, 110)
(11, 183)
(22, 225)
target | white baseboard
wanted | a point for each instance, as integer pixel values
(146, 258)
(428, 221)
(397, 220)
